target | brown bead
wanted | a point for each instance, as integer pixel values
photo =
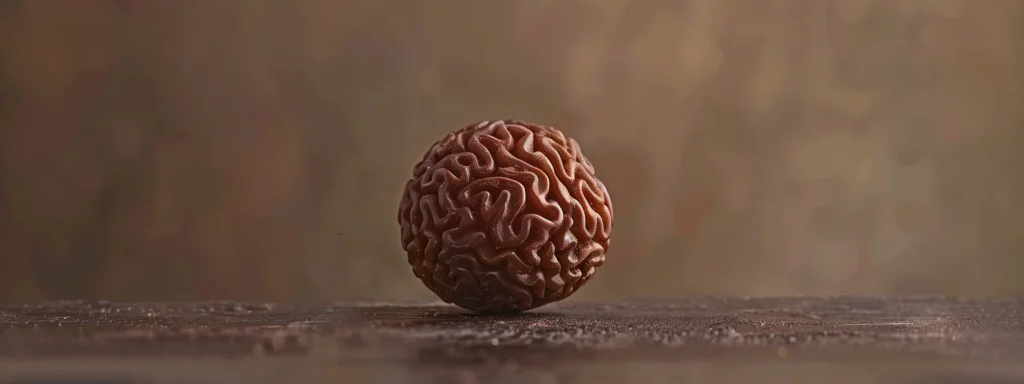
(504, 216)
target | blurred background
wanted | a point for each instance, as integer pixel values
(257, 149)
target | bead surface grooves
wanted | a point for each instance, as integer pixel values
(505, 216)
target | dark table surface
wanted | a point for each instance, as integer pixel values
(720, 340)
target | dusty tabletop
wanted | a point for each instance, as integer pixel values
(835, 339)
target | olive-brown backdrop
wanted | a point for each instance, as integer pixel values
(256, 149)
